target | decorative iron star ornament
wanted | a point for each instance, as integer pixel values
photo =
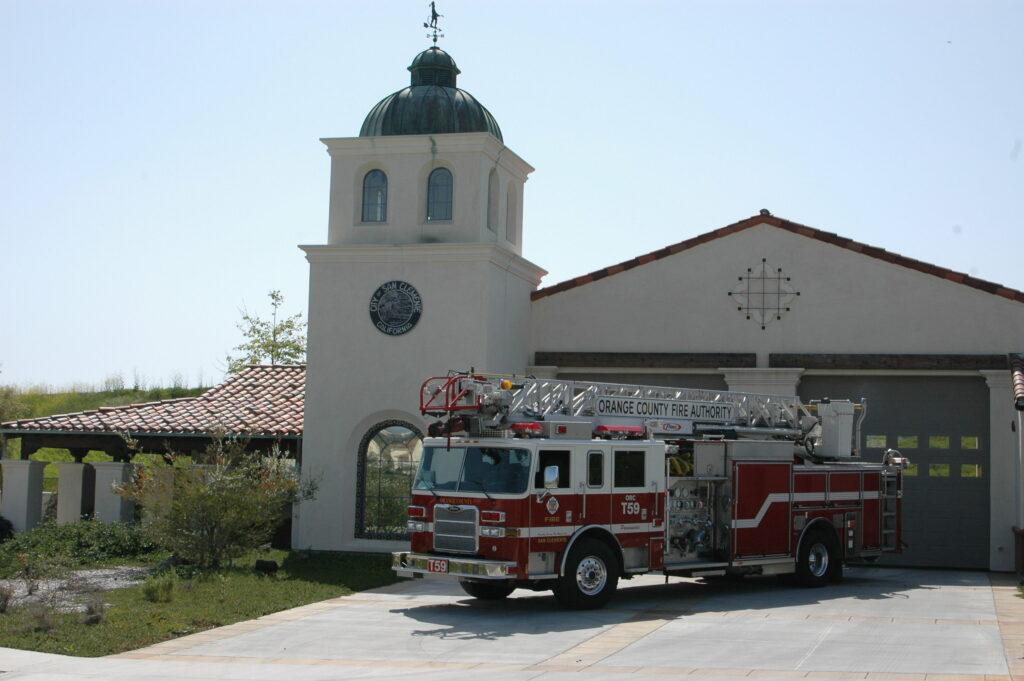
(764, 294)
(435, 30)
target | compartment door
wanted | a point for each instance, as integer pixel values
(761, 508)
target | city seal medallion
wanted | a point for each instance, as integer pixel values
(395, 307)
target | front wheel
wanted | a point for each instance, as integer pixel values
(487, 591)
(591, 576)
(818, 561)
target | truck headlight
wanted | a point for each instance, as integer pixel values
(493, 532)
(415, 526)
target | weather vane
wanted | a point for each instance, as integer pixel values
(432, 25)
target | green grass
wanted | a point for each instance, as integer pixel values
(200, 603)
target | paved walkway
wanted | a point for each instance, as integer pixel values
(897, 625)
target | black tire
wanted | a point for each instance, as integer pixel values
(591, 576)
(819, 560)
(487, 591)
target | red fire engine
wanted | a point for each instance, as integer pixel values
(571, 485)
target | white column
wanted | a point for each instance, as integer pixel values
(75, 491)
(765, 381)
(23, 493)
(1004, 474)
(110, 507)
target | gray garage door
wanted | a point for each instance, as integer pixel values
(942, 425)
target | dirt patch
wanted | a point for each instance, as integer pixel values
(65, 594)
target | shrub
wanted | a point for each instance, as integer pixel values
(159, 588)
(31, 569)
(66, 546)
(50, 508)
(41, 616)
(209, 515)
(6, 596)
(95, 608)
(6, 529)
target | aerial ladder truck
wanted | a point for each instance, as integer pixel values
(571, 486)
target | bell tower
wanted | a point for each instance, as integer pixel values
(429, 166)
(422, 272)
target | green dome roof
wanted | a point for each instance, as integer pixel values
(432, 104)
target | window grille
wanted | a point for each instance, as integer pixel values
(389, 455)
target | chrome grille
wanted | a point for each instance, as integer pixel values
(455, 528)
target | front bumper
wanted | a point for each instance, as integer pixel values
(407, 564)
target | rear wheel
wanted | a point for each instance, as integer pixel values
(591, 576)
(487, 591)
(818, 561)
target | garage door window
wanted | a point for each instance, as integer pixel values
(906, 442)
(938, 470)
(970, 470)
(910, 471)
(970, 442)
(938, 442)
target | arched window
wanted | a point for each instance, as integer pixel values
(510, 215)
(375, 196)
(389, 455)
(439, 195)
(492, 201)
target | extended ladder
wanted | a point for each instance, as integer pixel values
(659, 408)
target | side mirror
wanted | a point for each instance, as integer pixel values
(551, 477)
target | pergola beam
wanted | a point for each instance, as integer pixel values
(79, 444)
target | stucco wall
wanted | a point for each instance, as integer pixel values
(407, 160)
(848, 303)
(475, 309)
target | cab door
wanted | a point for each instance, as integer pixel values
(594, 485)
(553, 513)
(638, 486)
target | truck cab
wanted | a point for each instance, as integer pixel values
(511, 510)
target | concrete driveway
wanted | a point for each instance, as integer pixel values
(878, 624)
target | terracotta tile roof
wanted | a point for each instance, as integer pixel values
(1017, 371)
(262, 401)
(766, 218)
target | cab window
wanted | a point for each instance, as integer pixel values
(629, 469)
(549, 457)
(595, 469)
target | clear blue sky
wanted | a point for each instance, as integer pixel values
(159, 160)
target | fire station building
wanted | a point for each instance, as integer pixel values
(422, 271)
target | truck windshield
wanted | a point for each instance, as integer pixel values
(498, 470)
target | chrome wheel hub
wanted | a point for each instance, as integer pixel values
(817, 560)
(591, 575)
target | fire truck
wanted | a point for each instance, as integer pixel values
(573, 485)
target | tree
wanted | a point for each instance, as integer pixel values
(216, 512)
(270, 341)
